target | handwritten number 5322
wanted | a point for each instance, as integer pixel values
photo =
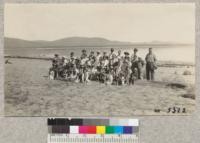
(176, 110)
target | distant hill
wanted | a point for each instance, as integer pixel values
(73, 41)
(68, 42)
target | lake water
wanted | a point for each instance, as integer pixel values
(163, 53)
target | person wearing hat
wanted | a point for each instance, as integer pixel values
(126, 67)
(104, 56)
(98, 58)
(92, 57)
(84, 65)
(134, 57)
(104, 62)
(91, 65)
(55, 64)
(55, 60)
(150, 64)
(72, 63)
(65, 60)
(127, 58)
(117, 64)
(72, 57)
(137, 64)
(126, 55)
(119, 55)
(111, 58)
(84, 54)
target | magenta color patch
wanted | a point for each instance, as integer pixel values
(83, 129)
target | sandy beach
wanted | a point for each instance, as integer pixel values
(29, 92)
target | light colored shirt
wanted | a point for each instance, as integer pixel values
(72, 60)
(84, 61)
(98, 58)
(120, 57)
(150, 58)
(104, 62)
(134, 58)
(112, 56)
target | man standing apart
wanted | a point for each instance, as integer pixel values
(150, 64)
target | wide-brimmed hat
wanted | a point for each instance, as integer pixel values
(112, 49)
(83, 50)
(55, 55)
(126, 53)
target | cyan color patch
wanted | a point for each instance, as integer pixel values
(118, 129)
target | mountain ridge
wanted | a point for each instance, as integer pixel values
(76, 42)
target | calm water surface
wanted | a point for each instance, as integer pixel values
(164, 53)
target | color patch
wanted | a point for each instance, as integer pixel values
(83, 129)
(118, 129)
(100, 129)
(110, 130)
(91, 129)
(60, 129)
(133, 122)
(127, 130)
(76, 122)
(135, 129)
(74, 129)
(95, 122)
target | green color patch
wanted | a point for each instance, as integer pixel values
(110, 130)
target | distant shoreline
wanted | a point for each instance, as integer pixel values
(160, 63)
(83, 42)
(125, 45)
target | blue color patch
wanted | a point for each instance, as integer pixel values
(128, 130)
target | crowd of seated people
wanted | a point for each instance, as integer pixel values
(109, 68)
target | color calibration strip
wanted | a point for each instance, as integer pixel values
(64, 130)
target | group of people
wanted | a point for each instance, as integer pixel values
(109, 68)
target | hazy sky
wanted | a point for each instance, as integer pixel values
(123, 22)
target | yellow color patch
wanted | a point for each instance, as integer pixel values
(100, 130)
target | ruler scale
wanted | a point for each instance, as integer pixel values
(88, 138)
(89, 130)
